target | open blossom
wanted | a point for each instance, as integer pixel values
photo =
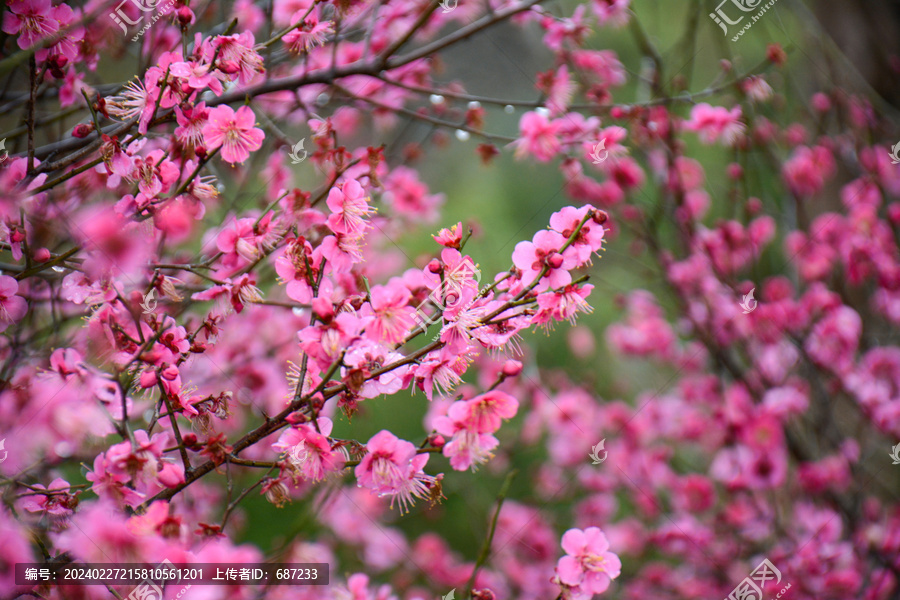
(393, 468)
(590, 237)
(33, 21)
(191, 120)
(451, 237)
(363, 359)
(56, 502)
(716, 123)
(349, 207)
(440, 370)
(238, 53)
(12, 307)
(564, 304)
(539, 137)
(488, 410)
(310, 34)
(198, 75)
(137, 100)
(806, 171)
(470, 424)
(298, 267)
(309, 451)
(588, 566)
(543, 253)
(392, 315)
(612, 12)
(234, 131)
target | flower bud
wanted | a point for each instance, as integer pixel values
(754, 205)
(435, 266)
(893, 212)
(190, 440)
(42, 255)
(229, 67)
(148, 379)
(437, 441)
(600, 217)
(82, 130)
(511, 368)
(555, 260)
(185, 16)
(776, 54)
(820, 102)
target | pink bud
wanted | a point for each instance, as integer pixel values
(296, 418)
(185, 16)
(148, 379)
(821, 103)
(555, 261)
(435, 266)
(170, 372)
(511, 368)
(229, 67)
(42, 255)
(82, 130)
(438, 441)
(735, 171)
(893, 212)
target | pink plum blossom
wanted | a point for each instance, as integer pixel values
(234, 132)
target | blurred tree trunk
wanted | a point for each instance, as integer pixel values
(868, 33)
